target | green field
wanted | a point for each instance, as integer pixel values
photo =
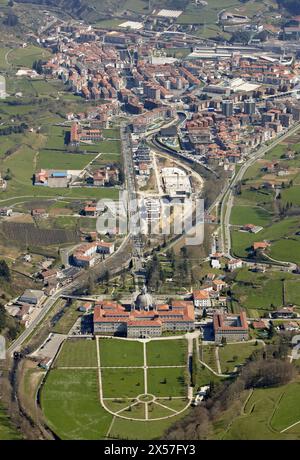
(140, 430)
(62, 160)
(70, 402)
(166, 382)
(291, 195)
(22, 166)
(77, 353)
(117, 353)
(166, 352)
(208, 356)
(258, 293)
(7, 431)
(285, 245)
(25, 57)
(266, 413)
(122, 383)
(3, 62)
(232, 355)
(120, 386)
(288, 411)
(292, 291)
(242, 215)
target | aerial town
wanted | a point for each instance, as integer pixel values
(149, 220)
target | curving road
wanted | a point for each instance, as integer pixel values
(227, 199)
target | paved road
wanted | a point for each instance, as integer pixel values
(227, 199)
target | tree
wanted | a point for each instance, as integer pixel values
(242, 36)
(2, 318)
(7, 175)
(91, 285)
(4, 271)
(271, 331)
(11, 19)
(38, 66)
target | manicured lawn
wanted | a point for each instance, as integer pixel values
(175, 404)
(140, 430)
(167, 352)
(136, 411)
(232, 355)
(166, 382)
(114, 352)
(122, 383)
(77, 353)
(156, 411)
(205, 377)
(70, 403)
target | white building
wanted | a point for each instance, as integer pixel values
(201, 299)
(234, 264)
(176, 182)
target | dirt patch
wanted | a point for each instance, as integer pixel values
(21, 219)
(60, 212)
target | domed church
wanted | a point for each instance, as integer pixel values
(144, 301)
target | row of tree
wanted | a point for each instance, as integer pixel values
(17, 129)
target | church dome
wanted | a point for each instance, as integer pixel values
(144, 300)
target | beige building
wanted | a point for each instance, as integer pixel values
(230, 328)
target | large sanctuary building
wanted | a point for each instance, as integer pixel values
(143, 318)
